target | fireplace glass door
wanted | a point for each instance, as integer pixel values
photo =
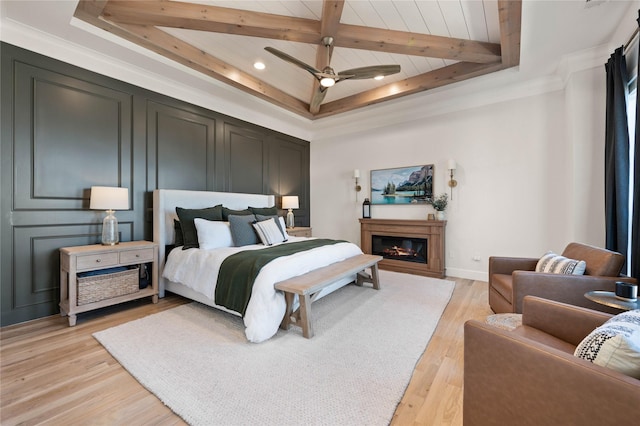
(400, 248)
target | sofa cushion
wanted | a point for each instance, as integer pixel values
(503, 284)
(600, 262)
(615, 344)
(556, 264)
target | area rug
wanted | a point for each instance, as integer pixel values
(354, 371)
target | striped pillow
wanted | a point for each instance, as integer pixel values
(556, 264)
(269, 232)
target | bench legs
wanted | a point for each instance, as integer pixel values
(303, 316)
(363, 277)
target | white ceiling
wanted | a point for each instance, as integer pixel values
(550, 30)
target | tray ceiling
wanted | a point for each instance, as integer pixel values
(435, 42)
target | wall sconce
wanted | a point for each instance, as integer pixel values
(356, 176)
(451, 165)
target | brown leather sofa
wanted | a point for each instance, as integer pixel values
(529, 376)
(512, 278)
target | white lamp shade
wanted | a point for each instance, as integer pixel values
(109, 198)
(451, 165)
(290, 202)
(356, 173)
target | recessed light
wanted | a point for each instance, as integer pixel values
(378, 77)
(259, 65)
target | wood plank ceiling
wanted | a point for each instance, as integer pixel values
(223, 43)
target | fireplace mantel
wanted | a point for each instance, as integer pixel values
(431, 230)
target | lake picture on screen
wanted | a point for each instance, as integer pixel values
(405, 185)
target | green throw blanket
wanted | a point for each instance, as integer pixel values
(239, 271)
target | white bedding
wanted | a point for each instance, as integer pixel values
(198, 269)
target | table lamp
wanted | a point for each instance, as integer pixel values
(290, 202)
(110, 199)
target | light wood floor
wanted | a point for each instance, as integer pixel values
(55, 374)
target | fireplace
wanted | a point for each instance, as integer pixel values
(406, 249)
(412, 246)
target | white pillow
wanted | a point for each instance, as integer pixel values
(615, 344)
(556, 264)
(213, 234)
(269, 232)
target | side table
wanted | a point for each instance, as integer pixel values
(299, 231)
(96, 257)
(608, 298)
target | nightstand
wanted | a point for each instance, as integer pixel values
(299, 231)
(97, 290)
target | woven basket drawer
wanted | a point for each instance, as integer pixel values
(106, 286)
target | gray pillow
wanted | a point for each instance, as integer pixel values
(242, 230)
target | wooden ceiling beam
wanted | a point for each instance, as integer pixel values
(406, 43)
(213, 19)
(510, 14)
(127, 19)
(264, 25)
(177, 50)
(441, 77)
(331, 14)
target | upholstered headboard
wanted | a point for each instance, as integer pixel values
(165, 202)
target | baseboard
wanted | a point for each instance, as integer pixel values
(467, 274)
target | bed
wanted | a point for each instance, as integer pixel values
(266, 307)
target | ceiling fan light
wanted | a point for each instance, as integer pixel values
(327, 82)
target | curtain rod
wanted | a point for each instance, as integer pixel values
(633, 36)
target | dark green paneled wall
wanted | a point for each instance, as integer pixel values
(65, 129)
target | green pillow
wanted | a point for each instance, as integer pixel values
(189, 231)
(228, 212)
(178, 240)
(265, 211)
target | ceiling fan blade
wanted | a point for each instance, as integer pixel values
(318, 97)
(368, 72)
(293, 60)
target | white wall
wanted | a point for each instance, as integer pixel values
(529, 174)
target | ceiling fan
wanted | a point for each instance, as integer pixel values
(328, 77)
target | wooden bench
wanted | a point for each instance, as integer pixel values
(307, 287)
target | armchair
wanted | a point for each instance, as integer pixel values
(512, 278)
(529, 376)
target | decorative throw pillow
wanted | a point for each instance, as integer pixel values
(213, 234)
(265, 211)
(177, 233)
(228, 212)
(615, 344)
(556, 264)
(279, 221)
(242, 230)
(186, 216)
(269, 232)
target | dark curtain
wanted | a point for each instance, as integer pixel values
(635, 223)
(616, 157)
